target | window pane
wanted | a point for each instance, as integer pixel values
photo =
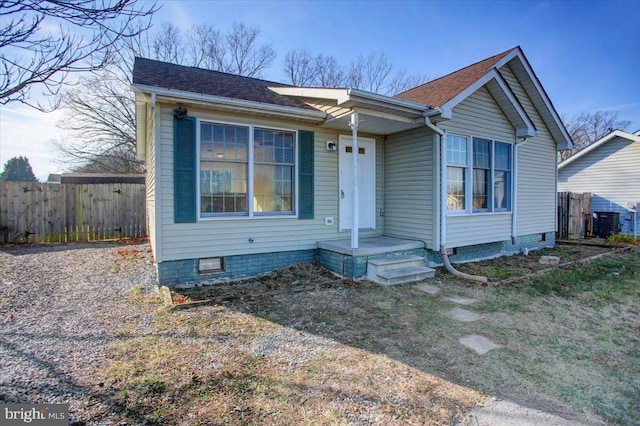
(273, 188)
(481, 153)
(480, 189)
(503, 156)
(456, 150)
(502, 190)
(223, 187)
(223, 168)
(455, 188)
(273, 173)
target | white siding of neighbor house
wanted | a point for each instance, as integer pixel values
(537, 199)
(611, 173)
(479, 115)
(227, 237)
(150, 179)
(409, 186)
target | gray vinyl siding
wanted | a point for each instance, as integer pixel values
(536, 211)
(478, 115)
(611, 173)
(409, 186)
(150, 180)
(227, 237)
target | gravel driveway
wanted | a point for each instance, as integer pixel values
(57, 311)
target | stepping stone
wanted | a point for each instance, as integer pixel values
(428, 288)
(463, 315)
(462, 300)
(479, 344)
(549, 260)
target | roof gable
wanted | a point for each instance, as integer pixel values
(611, 136)
(438, 92)
(447, 91)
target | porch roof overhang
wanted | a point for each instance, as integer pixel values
(378, 114)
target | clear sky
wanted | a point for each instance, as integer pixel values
(585, 53)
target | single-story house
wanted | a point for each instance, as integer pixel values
(245, 176)
(609, 169)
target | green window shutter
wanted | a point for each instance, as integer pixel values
(305, 174)
(184, 170)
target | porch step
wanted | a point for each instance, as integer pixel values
(405, 275)
(398, 270)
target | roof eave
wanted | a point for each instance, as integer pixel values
(596, 144)
(232, 104)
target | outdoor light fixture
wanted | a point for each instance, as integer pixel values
(180, 112)
(331, 146)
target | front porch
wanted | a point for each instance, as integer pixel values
(372, 246)
(340, 258)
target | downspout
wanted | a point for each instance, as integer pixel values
(514, 209)
(356, 208)
(443, 207)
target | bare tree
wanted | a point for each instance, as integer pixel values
(402, 81)
(99, 124)
(328, 72)
(80, 36)
(372, 73)
(205, 47)
(586, 128)
(99, 120)
(168, 45)
(300, 67)
(243, 55)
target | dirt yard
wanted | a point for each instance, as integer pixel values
(302, 347)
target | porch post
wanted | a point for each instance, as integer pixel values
(356, 208)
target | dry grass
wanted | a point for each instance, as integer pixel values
(222, 366)
(355, 353)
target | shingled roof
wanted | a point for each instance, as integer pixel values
(438, 92)
(148, 72)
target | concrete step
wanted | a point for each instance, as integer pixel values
(376, 266)
(396, 262)
(404, 275)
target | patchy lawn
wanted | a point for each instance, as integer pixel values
(340, 352)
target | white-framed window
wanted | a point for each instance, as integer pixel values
(457, 162)
(479, 167)
(246, 170)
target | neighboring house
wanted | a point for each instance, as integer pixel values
(610, 170)
(245, 176)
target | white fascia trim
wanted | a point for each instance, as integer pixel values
(529, 128)
(339, 95)
(596, 144)
(547, 102)
(239, 105)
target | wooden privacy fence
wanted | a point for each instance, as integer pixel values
(45, 212)
(574, 215)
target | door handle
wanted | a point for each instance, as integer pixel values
(341, 193)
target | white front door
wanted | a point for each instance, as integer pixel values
(366, 182)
